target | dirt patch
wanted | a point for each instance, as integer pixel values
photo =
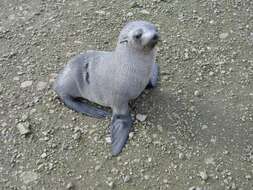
(198, 133)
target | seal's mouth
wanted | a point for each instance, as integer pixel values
(152, 44)
(153, 41)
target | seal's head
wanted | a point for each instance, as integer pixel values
(140, 35)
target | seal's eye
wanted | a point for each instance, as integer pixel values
(138, 34)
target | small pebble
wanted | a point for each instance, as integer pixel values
(146, 177)
(101, 12)
(97, 167)
(141, 117)
(145, 12)
(126, 179)
(70, 186)
(28, 177)
(203, 175)
(131, 134)
(160, 128)
(76, 136)
(26, 84)
(211, 73)
(181, 156)
(248, 177)
(134, 4)
(223, 35)
(41, 85)
(16, 78)
(195, 188)
(130, 14)
(108, 140)
(210, 160)
(110, 184)
(23, 128)
(204, 127)
(197, 93)
(43, 155)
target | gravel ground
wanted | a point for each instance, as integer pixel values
(196, 127)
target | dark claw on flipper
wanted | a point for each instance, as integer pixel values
(84, 108)
(154, 76)
(120, 128)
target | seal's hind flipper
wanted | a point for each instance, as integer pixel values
(79, 106)
(120, 128)
(154, 76)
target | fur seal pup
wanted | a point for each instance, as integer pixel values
(111, 79)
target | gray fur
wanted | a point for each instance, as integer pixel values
(111, 79)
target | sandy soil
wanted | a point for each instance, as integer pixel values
(198, 134)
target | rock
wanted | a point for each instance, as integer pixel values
(97, 167)
(41, 85)
(100, 12)
(50, 166)
(126, 179)
(204, 127)
(160, 128)
(145, 12)
(248, 177)
(1, 88)
(108, 140)
(131, 135)
(146, 177)
(141, 117)
(29, 176)
(165, 181)
(110, 184)
(4, 124)
(24, 117)
(26, 84)
(210, 160)
(52, 77)
(211, 73)
(114, 171)
(70, 186)
(134, 4)
(197, 93)
(43, 155)
(16, 78)
(195, 188)
(77, 135)
(181, 156)
(129, 14)
(223, 35)
(233, 186)
(203, 175)
(23, 128)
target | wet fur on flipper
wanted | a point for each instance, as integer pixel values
(78, 105)
(120, 129)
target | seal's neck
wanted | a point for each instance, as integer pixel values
(126, 55)
(132, 63)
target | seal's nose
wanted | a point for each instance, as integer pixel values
(151, 39)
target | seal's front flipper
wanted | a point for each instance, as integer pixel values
(154, 76)
(84, 108)
(120, 128)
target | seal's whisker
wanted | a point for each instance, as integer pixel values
(123, 41)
